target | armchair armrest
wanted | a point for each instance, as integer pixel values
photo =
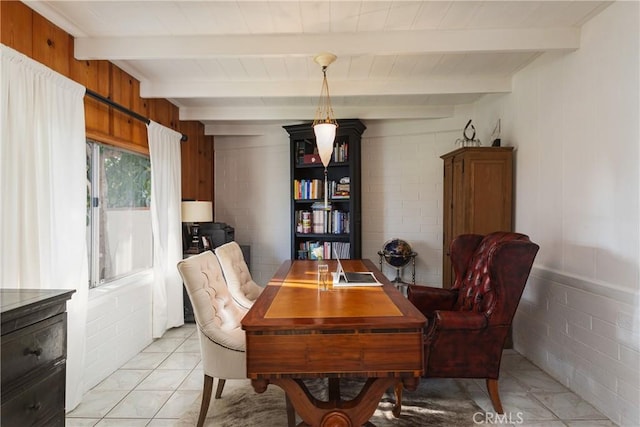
(428, 299)
(459, 320)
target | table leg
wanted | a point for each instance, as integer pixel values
(397, 407)
(410, 384)
(334, 389)
(335, 412)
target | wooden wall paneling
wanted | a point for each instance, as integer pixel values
(121, 93)
(201, 178)
(94, 75)
(211, 144)
(205, 167)
(160, 111)
(197, 162)
(139, 105)
(189, 159)
(52, 46)
(174, 121)
(16, 26)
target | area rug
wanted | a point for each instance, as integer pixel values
(436, 402)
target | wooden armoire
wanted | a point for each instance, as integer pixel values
(478, 196)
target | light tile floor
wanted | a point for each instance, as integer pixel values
(156, 386)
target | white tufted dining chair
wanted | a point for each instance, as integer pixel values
(222, 340)
(242, 287)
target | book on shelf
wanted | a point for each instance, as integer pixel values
(342, 187)
(313, 189)
(340, 222)
(339, 189)
(321, 218)
(307, 153)
(304, 147)
(308, 189)
(303, 222)
(321, 221)
(311, 159)
(307, 249)
(340, 195)
(341, 152)
(343, 249)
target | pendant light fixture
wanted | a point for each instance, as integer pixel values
(324, 123)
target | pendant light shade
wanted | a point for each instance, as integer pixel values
(325, 135)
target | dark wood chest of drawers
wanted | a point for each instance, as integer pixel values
(34, 354)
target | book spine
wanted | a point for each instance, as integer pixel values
(306, 222)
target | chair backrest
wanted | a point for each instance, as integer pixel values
(491, 272)
(236, 273)
(213, 305)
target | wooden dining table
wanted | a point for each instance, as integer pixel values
(296, 332)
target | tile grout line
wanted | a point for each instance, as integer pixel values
(105, 417)
(182, 382)
(151, 371)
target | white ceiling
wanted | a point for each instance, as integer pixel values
(230, 64)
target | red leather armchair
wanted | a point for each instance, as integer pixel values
(469, 323)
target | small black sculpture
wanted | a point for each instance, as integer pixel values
(467, 141)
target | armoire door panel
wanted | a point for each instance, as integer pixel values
(488, 209)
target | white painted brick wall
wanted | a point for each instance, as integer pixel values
(577, 192)
(118, 326)
(587, 336)
(401, 192)
(252, 195)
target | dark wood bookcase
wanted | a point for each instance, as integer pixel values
(345, 210)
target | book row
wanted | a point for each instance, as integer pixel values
(323, 250)
(307, 154)
(341, 152)
(310, 189)
(319, 221)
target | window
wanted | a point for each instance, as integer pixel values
(119, 237)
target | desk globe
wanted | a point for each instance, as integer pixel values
(398, 253)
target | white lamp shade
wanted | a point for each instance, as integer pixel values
(197, 212)
(325, 135)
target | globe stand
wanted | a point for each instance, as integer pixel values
(400, 284)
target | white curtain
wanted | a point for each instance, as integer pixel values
(43, 193)
(164, 151)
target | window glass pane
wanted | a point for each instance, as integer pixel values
(125, 226)
(127, 179)
(121, 238)
(89, 206)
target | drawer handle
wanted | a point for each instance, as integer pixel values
(37, 352)
(34, 406)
